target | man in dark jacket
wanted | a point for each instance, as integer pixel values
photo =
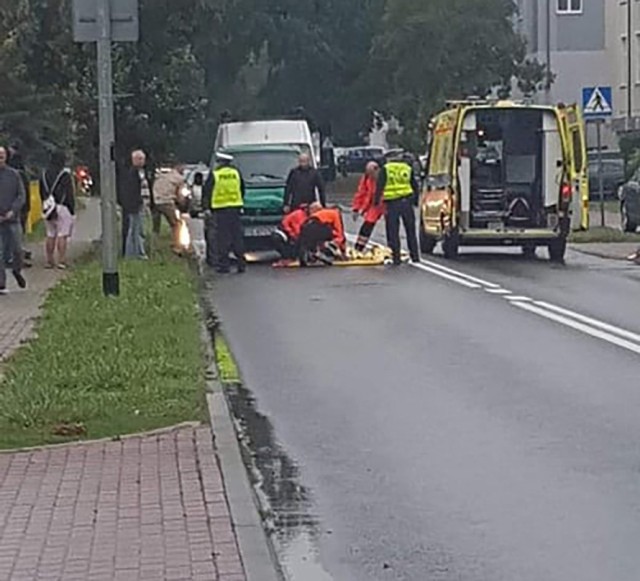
(16, 161)
(134, 187)
(304, 186)
(12, 200)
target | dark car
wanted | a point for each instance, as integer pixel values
(629, 195)
(612, 177)
(355, 159)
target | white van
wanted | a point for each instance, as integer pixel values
(276, 132)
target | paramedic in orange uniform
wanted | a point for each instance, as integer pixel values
(364, 204)
(322, 237)
(285, 239)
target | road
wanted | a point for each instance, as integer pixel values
(476, 424)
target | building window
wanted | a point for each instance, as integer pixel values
(569, 7)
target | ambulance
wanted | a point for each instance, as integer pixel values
(504, 173)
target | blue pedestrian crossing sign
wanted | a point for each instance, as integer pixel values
(597, 102)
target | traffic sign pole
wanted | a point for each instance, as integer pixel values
(110, 277)
(599, 123)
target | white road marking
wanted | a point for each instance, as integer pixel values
(587, 325)
(592, 322)
(459, 274)
(460, 281)
(582, 327)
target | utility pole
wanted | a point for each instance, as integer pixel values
(547, 86)
(103, 22)
(629, 65)
(110, 277)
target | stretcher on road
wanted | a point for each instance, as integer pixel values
(375, 256)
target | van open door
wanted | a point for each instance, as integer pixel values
(573, 136)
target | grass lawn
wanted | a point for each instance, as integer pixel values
(607, 235)
(107, 367)
(226, 364)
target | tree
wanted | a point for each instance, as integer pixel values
(428, 52)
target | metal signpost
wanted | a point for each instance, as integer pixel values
(597, 105)
(102, 22)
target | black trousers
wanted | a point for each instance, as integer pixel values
(397, 210)
(364, 235)
(125, 231)
(284, 246)
(211, 241)
(230, 237)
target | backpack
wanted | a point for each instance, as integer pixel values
(49, 204)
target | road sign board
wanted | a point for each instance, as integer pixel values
(597, 102)
(124, 20)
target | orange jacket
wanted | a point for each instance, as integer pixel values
(333, 218)
(292, 223)
(364, 200)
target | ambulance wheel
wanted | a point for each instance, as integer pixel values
(450, 245)
(557, 250)
(427, 243)
(529, 250)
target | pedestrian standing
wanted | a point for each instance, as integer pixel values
(364, 205)
(134, 186)
(304, 186)
(398, 188)
(12, 200)
(16, 161)
(167, 190)
(223, 201)
(56, 185)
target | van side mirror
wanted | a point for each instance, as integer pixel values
(198, 179)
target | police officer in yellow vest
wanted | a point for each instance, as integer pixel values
(398, 188)
(223, 200)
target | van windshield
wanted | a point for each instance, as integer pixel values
(270, 167)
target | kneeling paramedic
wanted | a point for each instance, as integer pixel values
(224, 198)
(322, 237)
(363, 204)
(398, 188)
(286, 239)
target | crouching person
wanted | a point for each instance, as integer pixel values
(286, 239)
(322, 237)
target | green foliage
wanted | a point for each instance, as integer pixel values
(339, 59)
(115, 366)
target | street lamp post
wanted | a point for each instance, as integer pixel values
(547, 86)
(629, 65)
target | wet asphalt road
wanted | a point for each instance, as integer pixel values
(411, 427)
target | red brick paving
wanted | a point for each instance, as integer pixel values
(145, 508)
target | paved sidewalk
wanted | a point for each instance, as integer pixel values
(19, 309)
(145, 508)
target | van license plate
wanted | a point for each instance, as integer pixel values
(259, 231)
(495, 225)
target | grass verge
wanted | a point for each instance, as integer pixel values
(602, 235)
(226, 363)
(106, 367)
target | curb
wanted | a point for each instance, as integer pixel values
(256, 551)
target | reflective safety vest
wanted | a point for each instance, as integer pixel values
(227, 189)
(398, 181)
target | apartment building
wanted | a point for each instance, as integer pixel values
(623, 47)
(572, 35)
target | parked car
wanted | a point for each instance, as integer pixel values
(629, 195)
(355, 159)
(612, 177)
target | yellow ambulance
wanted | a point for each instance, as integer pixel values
(504, 173)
